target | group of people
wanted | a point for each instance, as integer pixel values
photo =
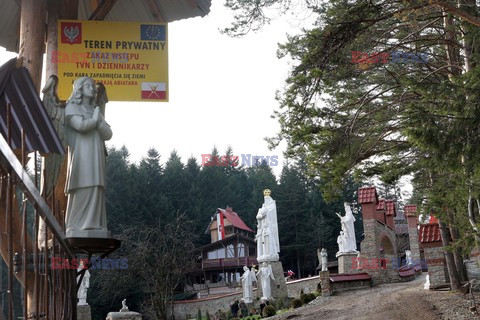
(240, 309)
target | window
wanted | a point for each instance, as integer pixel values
(212, 255)
(216, 254)
(230, 251)
(241, 250)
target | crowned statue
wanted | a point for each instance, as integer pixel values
(268, 245)
(346, 240)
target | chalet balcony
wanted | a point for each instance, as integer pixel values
(224, 263)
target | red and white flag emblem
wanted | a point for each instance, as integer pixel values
(154, 90)
(71, 32)
(221, 226)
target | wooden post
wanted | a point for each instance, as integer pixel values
(53, 8)
(57, 9)
(32, 37)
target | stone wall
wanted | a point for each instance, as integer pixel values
(414, 245)
(183, 309)
(378, 235)
(188, 309)
(308, 285)
(413, 237)
(437, 267)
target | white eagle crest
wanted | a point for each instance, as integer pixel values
(71, 33)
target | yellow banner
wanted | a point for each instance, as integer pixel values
(129, 58)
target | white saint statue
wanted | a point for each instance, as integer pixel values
(409, 258)
(324, 256)
(248, 278)
(124, 306)
(86, 132)
(84, 285)
(348, 230)
(341, 241)
(267, 219)
(259, 236)
(265, 274)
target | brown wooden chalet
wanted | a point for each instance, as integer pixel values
(222, 261)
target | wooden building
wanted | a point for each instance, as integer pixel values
(231, 248)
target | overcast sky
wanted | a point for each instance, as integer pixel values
(222, 92)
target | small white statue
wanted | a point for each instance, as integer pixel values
(124, 306)
(341, 242)
(409, 258)
(84, 285)
(267, 230)
(248, 278)
(324, 256)
(265, 274)
(259, 235)
(346, 240)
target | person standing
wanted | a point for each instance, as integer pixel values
(234, 309)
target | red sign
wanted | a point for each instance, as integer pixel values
(71, 32)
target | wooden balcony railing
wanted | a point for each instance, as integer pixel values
(228, 263)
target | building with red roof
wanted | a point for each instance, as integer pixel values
(430, 239)
(231, 248)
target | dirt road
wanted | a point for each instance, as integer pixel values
(407, 300)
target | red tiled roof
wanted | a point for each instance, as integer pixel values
(381, 205)
(235, 219)
(367, 195)
(391, 208)
(433, 219)
(410, 210)
(429, 233)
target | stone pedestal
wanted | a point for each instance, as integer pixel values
(345, 261)
(129, 315)
(278, 286)
(325, 283)
(84, 313)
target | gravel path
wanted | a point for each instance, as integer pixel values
(406, 300)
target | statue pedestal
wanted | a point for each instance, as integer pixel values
(89, 234)
(84, 313)
(325, 283)
(278, 286)
(345, 262)
(129, 315)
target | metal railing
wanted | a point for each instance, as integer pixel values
(47, 293)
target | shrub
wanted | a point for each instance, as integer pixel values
(307, 297)
(280, 304)
(269, 311)
(199, 315)
(208, 316)
(296, 303)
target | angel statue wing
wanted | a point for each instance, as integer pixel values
(56, 110)
(101, 102)
(52, 163)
